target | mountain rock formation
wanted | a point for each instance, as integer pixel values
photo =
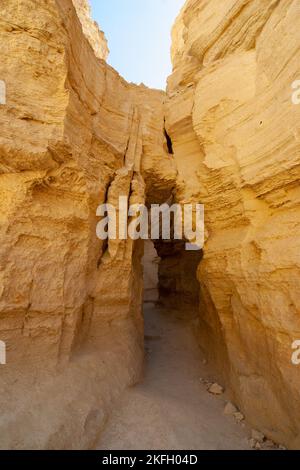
(75, 135)
(235, 135)
(91, 30)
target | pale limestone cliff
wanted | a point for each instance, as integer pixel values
(235, 135)
(91, 30)
(74, 135)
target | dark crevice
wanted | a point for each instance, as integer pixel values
(105, 243)
(169, 142)
(178, 283)
(103, 251)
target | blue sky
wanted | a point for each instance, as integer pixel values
(138, 33)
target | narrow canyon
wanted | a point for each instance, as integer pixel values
(82, 371)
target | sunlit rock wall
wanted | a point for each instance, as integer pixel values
(91, 29)
(74, 135)
(236, 139)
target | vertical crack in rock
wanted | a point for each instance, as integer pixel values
(169, 142)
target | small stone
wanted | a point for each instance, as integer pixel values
(252, 443)
(230, 409)
(239, 417)
(268, 444)
(216, 389)
(205, 382)
(282, 448)
(257, 436)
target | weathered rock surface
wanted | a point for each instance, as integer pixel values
(235, 135)
(91, 30)
(74, 135)
(150, 269)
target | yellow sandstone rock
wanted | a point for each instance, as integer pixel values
(235, 135)
(91, 29)
(74, 135)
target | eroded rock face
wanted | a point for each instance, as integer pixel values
(74, 135)
(91, 29)
(235, 135)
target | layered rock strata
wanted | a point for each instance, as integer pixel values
(74, 135)
(235, 135)
(91, 29)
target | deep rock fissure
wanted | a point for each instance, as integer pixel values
(169, 142)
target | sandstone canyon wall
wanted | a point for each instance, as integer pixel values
(235, 135)
(74, 135)
(91, 30)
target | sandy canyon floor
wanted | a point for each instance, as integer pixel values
(171, 408)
